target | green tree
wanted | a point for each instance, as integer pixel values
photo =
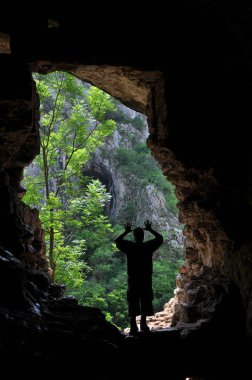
(73, 124)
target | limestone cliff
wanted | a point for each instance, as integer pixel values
(133, 199)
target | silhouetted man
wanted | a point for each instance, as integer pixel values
(139, 268)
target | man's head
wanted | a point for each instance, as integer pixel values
(138, 234)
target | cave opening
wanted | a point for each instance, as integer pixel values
(130, 186)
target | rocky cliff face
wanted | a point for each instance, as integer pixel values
(132, 200)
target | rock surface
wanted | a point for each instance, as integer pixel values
(149, 200)
(36, 327)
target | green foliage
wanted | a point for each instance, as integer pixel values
(139, 163)
(109, 296)
(164, 275)
(34, 188)
(73, 124)
(118, 114)
(71, 268)
(139, 122)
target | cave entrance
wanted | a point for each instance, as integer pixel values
(94, 174)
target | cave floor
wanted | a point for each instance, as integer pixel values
(185, 352)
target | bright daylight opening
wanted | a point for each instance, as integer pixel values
(94, 174)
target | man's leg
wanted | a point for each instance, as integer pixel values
(133, 325)
(133, 305)
(146, 305)
(143, 324)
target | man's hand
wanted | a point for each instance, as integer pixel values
(127, 227)
(119, 239)
(147, 224)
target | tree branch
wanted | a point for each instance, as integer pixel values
(54, 112)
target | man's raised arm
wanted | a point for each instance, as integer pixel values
(119, 239)
(158, 238)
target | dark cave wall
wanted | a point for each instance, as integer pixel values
(198, 106)
(208, 157)
(21, 232)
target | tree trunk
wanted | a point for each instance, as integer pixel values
(51, 231)
(51, 252)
